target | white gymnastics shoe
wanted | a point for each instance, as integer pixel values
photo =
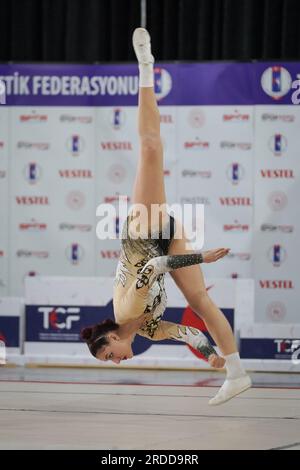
(231, 388)
(142, 46)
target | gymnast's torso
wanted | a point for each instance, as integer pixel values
(134, 294)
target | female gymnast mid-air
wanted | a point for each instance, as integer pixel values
(139, 297)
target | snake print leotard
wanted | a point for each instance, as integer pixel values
(139, 283)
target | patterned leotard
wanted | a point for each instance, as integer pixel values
(135, 293)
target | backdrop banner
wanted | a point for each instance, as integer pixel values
(69, 142)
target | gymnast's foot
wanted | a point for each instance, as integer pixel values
(231, 388)
(142, 46)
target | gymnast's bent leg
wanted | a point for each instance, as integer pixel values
(190, 281)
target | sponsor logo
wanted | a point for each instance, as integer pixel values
(277, 228)
(84, 174)
(195, 200)
(117, 173)
(34, 117)
(288, 347)
(278, 173)
(277, 255)
(277, 200)
(73, 118)
(60, 318)
(32, 226)
(2, 174)
(162, 82)
(196, 173)
(276, 284)
(41, 146)
(277, 144)
(225, 144)
(64, 226)
(117, 118)
(166, 119)
(271, 348)
(196, 118)
(239, 256)
(1, 145)
(236, 116)
(32, 200)
(196, 145)
(110, 254)
(236, 227)
(75, 145)
(116, 198)
(276, 311)
(116, 146)
(32, 173)
(276, 81)
(75, 200)
(32, 254)
(273, 117)
(74, 253)
(235, 173)
(235, 201)
(234, 275)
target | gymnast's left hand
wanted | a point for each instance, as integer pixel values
(211, 256)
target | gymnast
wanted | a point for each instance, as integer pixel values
(139, 297)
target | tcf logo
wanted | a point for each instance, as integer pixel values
(162, 82)
(59, 318)
(288, 346)
(276, 81)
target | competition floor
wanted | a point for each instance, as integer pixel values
(46, 408)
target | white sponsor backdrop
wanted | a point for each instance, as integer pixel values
(276, 225)
(52, 203)
(66, 161)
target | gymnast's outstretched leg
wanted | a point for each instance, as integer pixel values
(149, 186)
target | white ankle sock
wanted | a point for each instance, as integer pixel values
(146, 75)
(234, 366)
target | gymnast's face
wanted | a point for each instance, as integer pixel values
(116, 350)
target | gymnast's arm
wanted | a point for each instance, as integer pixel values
(133, 304)
(163, 264)
(177, 332)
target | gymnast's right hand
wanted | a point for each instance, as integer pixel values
(211, 256)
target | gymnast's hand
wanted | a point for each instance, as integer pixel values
(211, 256)
(216, 361)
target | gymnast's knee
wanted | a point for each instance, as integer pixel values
(151, 145)
(199, 303)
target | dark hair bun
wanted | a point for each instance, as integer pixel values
(86, 333)
(91, 333)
